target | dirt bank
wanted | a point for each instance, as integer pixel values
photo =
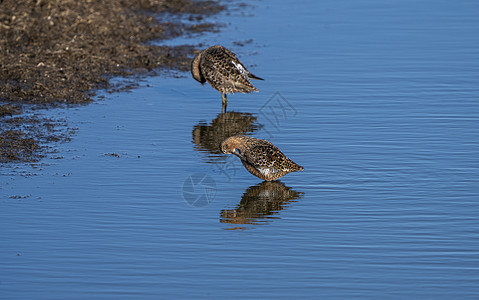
(60, 51)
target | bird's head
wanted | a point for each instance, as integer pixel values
(196, 68)
(231, 146)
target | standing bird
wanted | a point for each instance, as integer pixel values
(260, 157)
(223, 71)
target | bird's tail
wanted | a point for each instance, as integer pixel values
(252, 76)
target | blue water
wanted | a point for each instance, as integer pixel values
(378, 100)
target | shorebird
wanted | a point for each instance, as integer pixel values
(224, 72)
(260, 157)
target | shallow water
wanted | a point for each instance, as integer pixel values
(378, 101)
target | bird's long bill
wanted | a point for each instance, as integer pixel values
(236, 153)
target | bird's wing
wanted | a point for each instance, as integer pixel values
(239, 65)
(265, 156)
(222, 68)
(214, 68)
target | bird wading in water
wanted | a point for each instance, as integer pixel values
(260, 157)
(224, 72)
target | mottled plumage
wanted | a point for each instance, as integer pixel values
(224, 72)
(260, 157)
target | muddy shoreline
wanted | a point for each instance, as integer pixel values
(59, 52)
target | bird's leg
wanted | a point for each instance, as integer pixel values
(224, 100)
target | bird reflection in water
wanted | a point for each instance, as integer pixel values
(207, 137)
(259, 203)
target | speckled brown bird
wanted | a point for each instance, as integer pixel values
(223, 70)
(260, 157)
